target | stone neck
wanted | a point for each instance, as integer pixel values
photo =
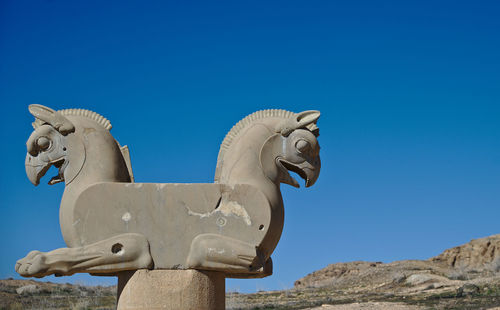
(105, 164)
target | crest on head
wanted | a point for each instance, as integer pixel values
(58, 119)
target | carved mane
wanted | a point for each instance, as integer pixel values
(101, 120)
(242, 124)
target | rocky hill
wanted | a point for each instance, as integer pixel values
(477, 254)
(463, 277)
(478, 258)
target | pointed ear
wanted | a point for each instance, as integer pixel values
(307, 117)
(41, 112)
(301, 120)
(54, 118)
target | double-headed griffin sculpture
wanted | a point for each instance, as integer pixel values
(111, 224)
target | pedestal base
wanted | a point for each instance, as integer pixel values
(171, 289)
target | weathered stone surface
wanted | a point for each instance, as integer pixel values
(480, 257)
(425, 278)
(186, 210)
(476, 254)
(111, 224)
(334, 272)
(27, 289)
(171, 289)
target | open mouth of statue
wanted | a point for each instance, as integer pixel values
(59, 177)
(294, 168)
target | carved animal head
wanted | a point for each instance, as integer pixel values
(273, 143)
(295, 149)
(58, 140)
(48, 144)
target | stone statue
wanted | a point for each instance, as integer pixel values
(111, 224)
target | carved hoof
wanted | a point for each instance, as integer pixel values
(262, 272)
(33, 265)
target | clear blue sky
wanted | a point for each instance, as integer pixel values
(409, 93)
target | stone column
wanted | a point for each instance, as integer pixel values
(171, 289)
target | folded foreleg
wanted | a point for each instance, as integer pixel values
(118, 253)
(232, 256)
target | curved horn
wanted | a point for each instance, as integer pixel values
(54, 118)
(301, 120)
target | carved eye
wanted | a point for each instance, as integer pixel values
(43, 143)
(302, 146)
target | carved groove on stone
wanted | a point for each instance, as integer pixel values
(101, 120)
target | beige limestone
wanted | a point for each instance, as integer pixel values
(111, 224)
(171, 289)
(475, 254)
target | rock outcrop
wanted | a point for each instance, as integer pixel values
(477, 254)
(466, 276)
(478, 258)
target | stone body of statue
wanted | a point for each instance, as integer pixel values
(111, 224)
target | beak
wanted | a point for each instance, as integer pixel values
(35, 169)
(311, 175)
(309, 171)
